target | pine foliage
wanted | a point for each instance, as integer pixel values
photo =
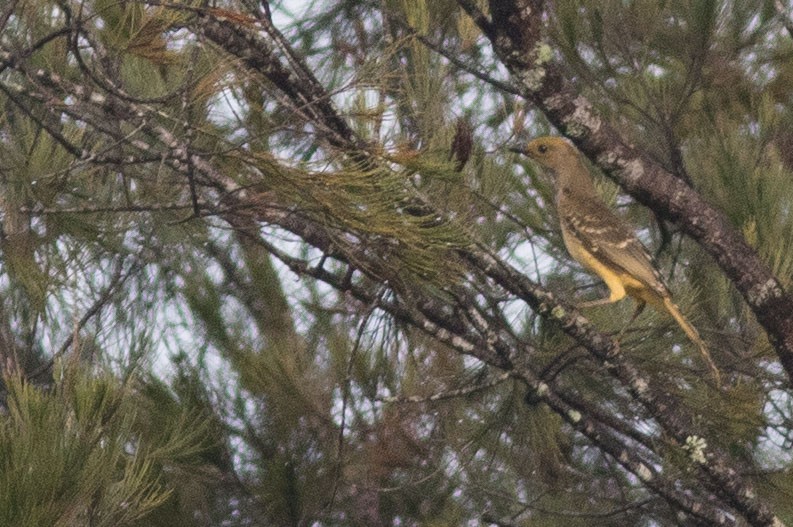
(278, 266)
(74, 455)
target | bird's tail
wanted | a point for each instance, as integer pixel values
(692, 334)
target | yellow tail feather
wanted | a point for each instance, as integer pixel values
(692, 334)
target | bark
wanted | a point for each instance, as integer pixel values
(458, 321)
(515, 32)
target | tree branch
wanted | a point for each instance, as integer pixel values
(461, 325)
(518, 43)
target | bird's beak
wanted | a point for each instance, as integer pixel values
(519, 150)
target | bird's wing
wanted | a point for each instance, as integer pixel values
(612, 242)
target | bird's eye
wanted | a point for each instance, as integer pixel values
(542, 148)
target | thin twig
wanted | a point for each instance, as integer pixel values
(449, 394)
(346, 392)
(477, 15)
(437, 48)
(118, 278)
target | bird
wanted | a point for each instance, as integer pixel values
(602, 241)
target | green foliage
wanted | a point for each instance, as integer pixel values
(74, 455)
(239, 388)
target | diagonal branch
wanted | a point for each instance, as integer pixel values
(118, 278)
(455, 60)
(517, 40)
(491, 349)
(471, 333)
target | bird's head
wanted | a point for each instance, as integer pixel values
(550, 152)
